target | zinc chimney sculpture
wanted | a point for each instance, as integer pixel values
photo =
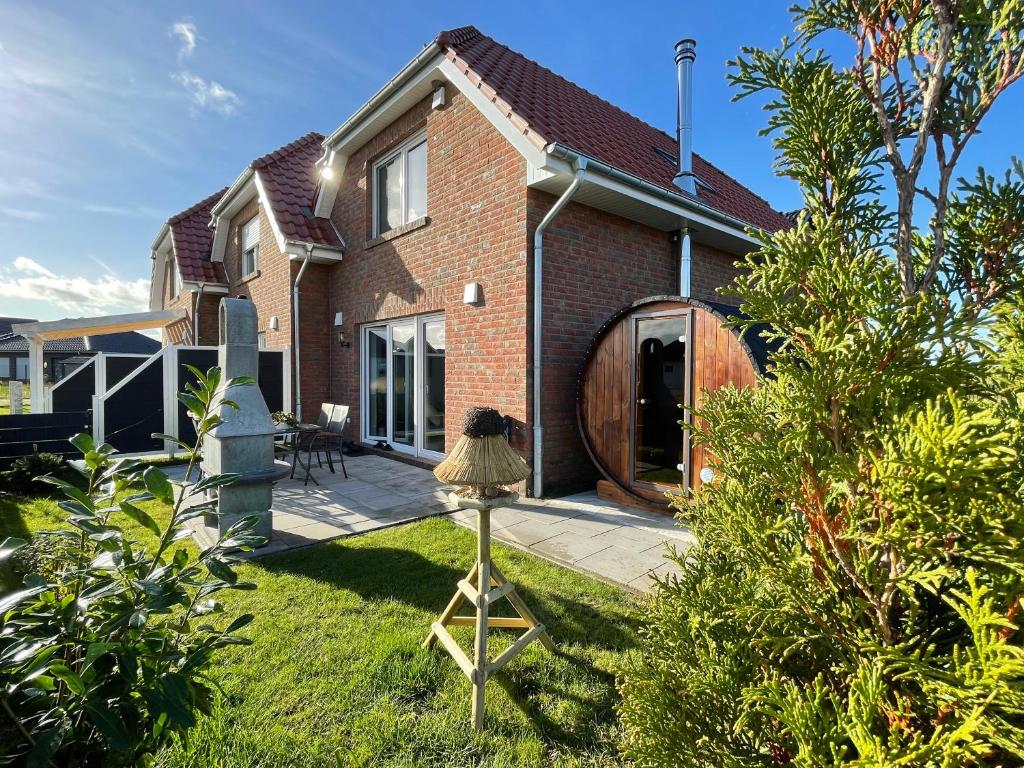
(243, 443)
(482, 464)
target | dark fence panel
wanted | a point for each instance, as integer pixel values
(119, 367)
(271, 379)
(75, 391)
(22, 434)
(136, 411)
(203, 359)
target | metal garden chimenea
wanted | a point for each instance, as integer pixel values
(243, 443)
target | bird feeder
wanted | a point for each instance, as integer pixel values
(482, 465)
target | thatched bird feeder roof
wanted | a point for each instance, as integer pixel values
(482, 456)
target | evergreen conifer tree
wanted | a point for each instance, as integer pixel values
(856, 593)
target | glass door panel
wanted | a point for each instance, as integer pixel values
(377, 383)
(403, 383)
(660, 387)
(433, 385)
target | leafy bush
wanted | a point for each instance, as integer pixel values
(104, 655)
(22, 477)
(856, 593)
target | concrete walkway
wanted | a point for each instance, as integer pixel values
(614, 543)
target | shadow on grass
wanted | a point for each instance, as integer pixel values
(374, 573)
(405, 575)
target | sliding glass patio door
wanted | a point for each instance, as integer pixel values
(403, 367)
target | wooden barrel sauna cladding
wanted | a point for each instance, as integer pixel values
(646, 360)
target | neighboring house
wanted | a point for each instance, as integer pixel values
(62, 356)
(409, 237)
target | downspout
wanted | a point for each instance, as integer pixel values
(195, 314)
(295, 330)
(538, 322)
(684, 262)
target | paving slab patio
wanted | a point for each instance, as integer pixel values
(615, 543)
(378, 493)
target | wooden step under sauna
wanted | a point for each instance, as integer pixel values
(649, 358)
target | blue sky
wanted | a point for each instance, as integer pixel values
(114, 116)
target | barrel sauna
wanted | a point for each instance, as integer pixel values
(643, 363)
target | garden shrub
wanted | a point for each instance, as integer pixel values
(22, 477)
(855, 595)
(105, 651)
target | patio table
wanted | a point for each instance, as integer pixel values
(298, 437)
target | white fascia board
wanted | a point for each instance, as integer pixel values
(161, 249)
(240, 193)
(328, 191)
(193, 286)
(296, 251)
(489, 110)
(684, 209)
(265, 203)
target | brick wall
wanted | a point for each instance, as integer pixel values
(181, 331)
(594, 264)
(476, 233)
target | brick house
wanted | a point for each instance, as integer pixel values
(407, 245)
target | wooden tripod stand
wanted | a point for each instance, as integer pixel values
(483, 586)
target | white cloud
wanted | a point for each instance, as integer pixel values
(131, 211)
(209, 94)
(187, 34)
(25, 264)
(30, 281)
(23, 214)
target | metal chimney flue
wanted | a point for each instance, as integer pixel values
(686, 54)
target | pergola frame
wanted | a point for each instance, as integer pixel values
(38, 333)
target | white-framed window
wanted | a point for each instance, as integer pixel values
(22, 365)
(403, 384)
(261, 339)
(400, 186)
(251, 246)
(173, 278)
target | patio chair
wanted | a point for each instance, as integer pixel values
(333, 435)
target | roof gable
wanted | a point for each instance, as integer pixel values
(289, 177)
(550, 109)
(192, 239)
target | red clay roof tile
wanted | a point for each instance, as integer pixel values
(290, 178)
(192, 238)
(557, 110)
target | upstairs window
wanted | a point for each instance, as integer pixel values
(400, 186)
(173, 279)
(251, 246)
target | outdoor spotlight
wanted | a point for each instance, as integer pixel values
(273, 323)
(707, 475)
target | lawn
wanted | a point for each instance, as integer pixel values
(5, 398)
(336, 675)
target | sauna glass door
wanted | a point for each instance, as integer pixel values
(660, 384)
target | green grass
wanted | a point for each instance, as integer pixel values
(336, 674)
(5, 398)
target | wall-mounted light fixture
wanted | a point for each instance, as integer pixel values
(273, 323)
(471, 293)
(707, 475)
(437, 98)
